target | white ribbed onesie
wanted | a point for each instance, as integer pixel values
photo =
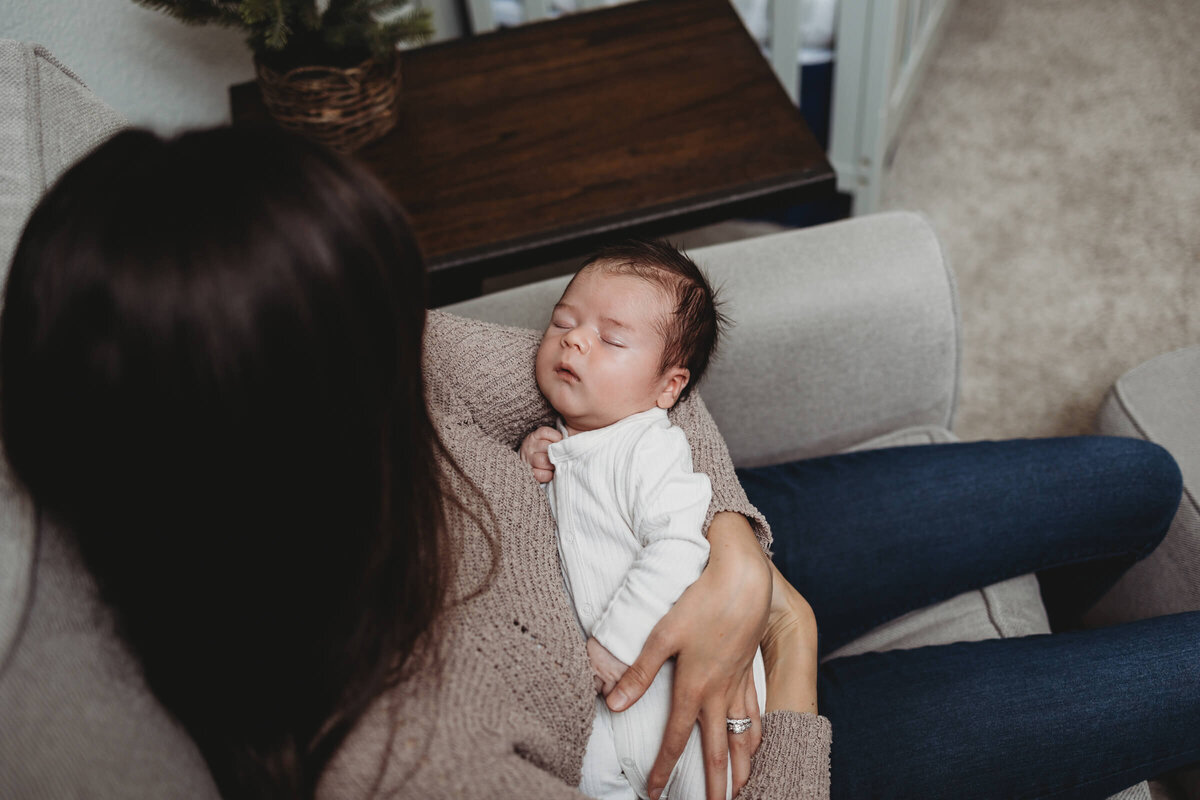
(630, 512)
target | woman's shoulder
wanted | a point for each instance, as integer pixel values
(449, 335)
(465, 353)
(483, 373)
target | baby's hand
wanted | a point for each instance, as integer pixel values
(607, 669)
(535, 452)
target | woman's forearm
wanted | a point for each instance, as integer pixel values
(789, 647)
(490, 379)
(791, 682)
(731, 539)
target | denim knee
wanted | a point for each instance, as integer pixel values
(1150, 485)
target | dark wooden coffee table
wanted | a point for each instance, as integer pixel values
(535, 144)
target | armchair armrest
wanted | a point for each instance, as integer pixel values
(841, 333)
(48, 120)
(1157, 401)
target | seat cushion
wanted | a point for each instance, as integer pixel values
(1159, 401)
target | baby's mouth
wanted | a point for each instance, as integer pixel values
(565, 372)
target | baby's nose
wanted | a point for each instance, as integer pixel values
(574, 338)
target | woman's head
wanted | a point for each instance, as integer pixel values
(210, 358)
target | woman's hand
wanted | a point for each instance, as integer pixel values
(712, 631)
(535, 451)
(789, 647)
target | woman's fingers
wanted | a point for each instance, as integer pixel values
(684, 710)
(687, 707)
(752, 711)
(685, 704)
(743, 705)
(714, 743)
(713, 631)
(641, 672)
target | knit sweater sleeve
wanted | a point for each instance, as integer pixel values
(488, 370)
(710, 455)
(396, 751)
(791, 764)
(793, 760)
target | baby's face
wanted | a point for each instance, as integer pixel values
(600, 356)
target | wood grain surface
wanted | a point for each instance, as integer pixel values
(535, 143)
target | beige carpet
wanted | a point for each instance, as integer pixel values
(1055, 147)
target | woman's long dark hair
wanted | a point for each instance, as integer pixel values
(210, 356)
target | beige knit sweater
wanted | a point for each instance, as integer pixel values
(507, 711)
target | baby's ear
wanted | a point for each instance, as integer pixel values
(673, 382)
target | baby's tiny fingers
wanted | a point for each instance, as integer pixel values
(543, 475)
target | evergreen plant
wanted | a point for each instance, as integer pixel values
(291, 33)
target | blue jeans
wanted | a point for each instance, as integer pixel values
(866, 537)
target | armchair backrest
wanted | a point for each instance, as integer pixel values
(841, 333)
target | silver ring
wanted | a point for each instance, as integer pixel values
(737, 725)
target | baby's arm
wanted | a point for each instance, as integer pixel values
(665, 503)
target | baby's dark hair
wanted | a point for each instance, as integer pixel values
(694, 329)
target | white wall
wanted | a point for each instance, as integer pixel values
(154, 69)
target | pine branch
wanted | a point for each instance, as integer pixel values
(357, 26)
(368, 9)
(414, 26)
(256, 12)
(380, 8)
(277, 30)
(197, 12)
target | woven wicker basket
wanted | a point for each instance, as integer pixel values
(341, 108)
